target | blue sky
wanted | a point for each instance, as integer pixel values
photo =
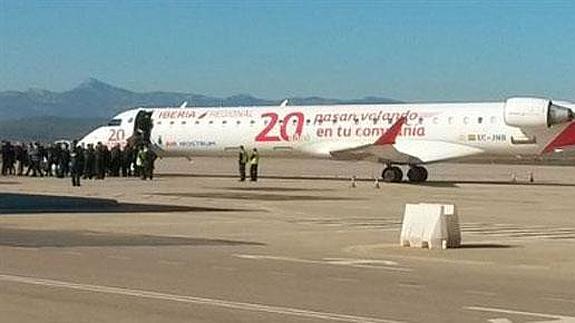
(410, 50)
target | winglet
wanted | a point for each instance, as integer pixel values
(388, 138)
(184, 105)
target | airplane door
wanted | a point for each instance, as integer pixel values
(143, 125)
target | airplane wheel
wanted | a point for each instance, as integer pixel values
(392, 174)
(417, 174)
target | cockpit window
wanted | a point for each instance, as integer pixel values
(115, 122)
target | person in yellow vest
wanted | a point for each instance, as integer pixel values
(254, 161)
(243, 160)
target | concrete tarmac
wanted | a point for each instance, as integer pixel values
(300, 245)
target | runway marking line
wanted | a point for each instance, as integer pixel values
(553, 317)
(356, 263)
(252, 307)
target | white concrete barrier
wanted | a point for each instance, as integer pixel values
(428, 225)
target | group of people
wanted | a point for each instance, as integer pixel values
(252, 159)
(77, 161)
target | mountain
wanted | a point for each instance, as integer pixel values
(47, 129)
(96, 99)
(43, 115)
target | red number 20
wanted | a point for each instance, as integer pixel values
(264, 136)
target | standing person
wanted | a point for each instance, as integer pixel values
(8, 158)
(76, 163)
(115, 160)
(65, 159)
(35, 157)
(254, 161)
(20, 154)
(242, 160)
(5, 157)
(49, 160)
(89, 162)
(100, 161)
(140, 161)
(126, 160)
(11, 159)
(148, 163)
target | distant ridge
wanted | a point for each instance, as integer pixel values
(96, 99)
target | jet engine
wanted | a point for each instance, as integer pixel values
(535, 113)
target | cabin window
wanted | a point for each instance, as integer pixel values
(252, 122)
(130, 120)
(197, 122)
(493, 119)
(420, 120)
(171, 122)
(238, 122)
(435, 120)
(450, 120)
(480, 120)
(211, 122)
(307, 121)
(159, 122)
(224, 122)
(115, 122)
(465, 120)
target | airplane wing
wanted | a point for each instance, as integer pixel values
(394, 149)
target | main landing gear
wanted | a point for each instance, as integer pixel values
(415, 174)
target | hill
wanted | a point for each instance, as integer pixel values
(96, 99)
(42, 115)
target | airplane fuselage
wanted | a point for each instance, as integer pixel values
(319, 131)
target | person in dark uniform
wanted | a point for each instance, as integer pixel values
(8, 158)
(242, 160)
(76, 163)
(126, 160)
(100, 161)
(115, 160)
(148, 158)
(35, 157)
(20, 155)
(254, 162)
(89, 162)
(65, 160)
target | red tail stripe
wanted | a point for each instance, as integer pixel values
(388, 138)
(564, 138)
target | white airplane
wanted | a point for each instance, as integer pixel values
(392, 134)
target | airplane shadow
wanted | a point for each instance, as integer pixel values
(271, 189)
(435, 183)
(25, 238)
(8, 183)
(17, 203)
(257, 196)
